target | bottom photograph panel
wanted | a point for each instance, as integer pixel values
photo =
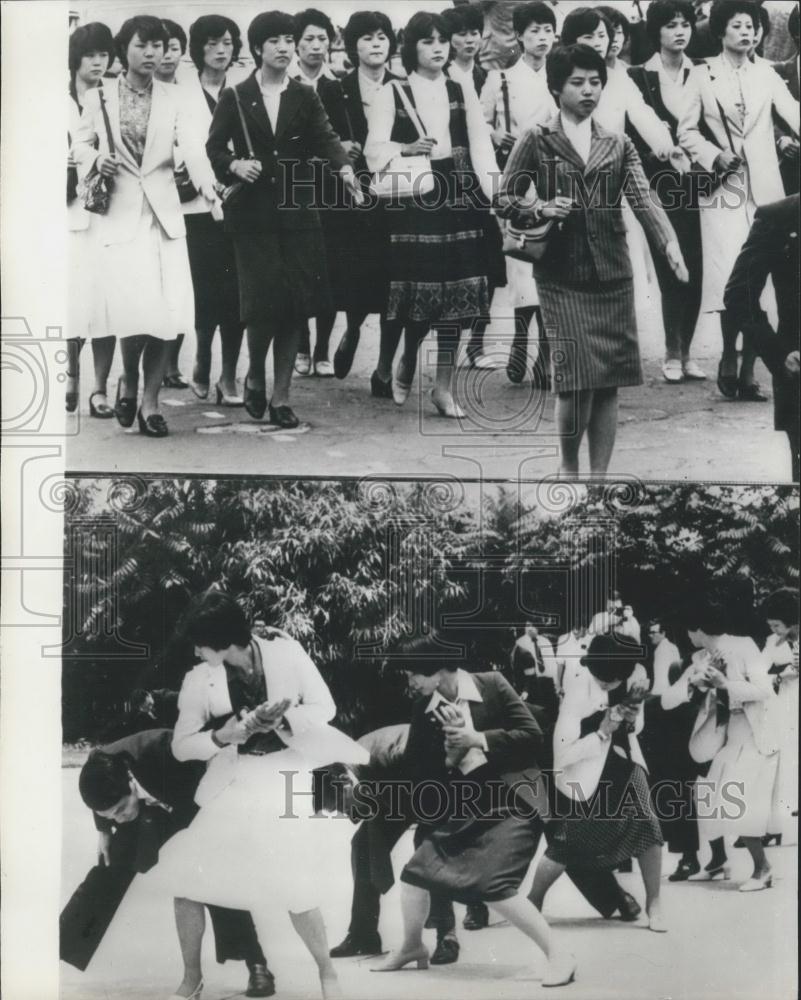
(388, 739)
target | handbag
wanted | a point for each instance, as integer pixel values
(231, 193)
(528, 245)
(72, 178)
(96, 189)
(186, 189)
(405, 176)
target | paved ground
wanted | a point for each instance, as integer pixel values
(722, 945)
(666, 432)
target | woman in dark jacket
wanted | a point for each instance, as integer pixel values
(280, 254)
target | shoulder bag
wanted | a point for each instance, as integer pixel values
(231, 193)
(404, 176)
(529, 245)
(96, 189)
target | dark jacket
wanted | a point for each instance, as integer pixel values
(590, 246)
(771, 250)
(790, 168)
(788, 71)
(353, 109)
(283, 197)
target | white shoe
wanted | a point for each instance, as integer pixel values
(483, 362)
(303, 364)
(323, 369)
(449, 408)
(194, 995)
(693, 371)
(561, 971)
(672, 371)
(755, 884)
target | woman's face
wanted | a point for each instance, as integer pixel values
(276, 53)
(313, 47)
(782, 630)
(581, 92)
(214, 657)
(598, 40)
(698, 638)
(676, 34)
(740, 34)
(618, 41)
(93, 66)
(608, 685)
(373, 49)
(537, 40)
(170, 59)
(432, 53)
(466, 44)
(422, 684)
(218, 52)
(144, 57)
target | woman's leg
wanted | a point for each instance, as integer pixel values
(719, 858)
(102, 356)
(542, 367)
(173, 355)
(154, 364)
(573, 411)
(259, 335)
(190, 922)
(349, 342)
(131, 349)
(304, 341)
(391, 332)
(74, 345)
(602, 430)
(311, 929)
(414, 335)
(231, 347)
(651, 869)
(544, 877)
(447, 352)
(415, 904)
(526, 917)
(518, 355)
(729, 330)
(757, 852)
(285, 338)
(201, 372)
(324, 324)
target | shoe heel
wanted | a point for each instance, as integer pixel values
(422, 963)
(218, 394)
(725, 871)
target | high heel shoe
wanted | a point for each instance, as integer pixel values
(194, 995)
(223, 399)
(345, 353)
(124, 408)
(757, 882)
(284, 417)
(400, 391)
(398, 960)
(102, 411)
(255, 402)
(711, 874)
(561, 971)
(154, 426)
(450, 409)
(71, 397)
(175, 381)
(200, 389)
(380, 389)
(684, 870)
(751, 393)
(656, 923)
(727, 384)
(330, 988)
(303, 363)
(775, 838)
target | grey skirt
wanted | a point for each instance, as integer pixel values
(592, 330)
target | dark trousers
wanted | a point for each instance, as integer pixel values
(134, 848)
(681, 304)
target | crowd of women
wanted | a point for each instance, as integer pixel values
(623, 746)
(253, 208)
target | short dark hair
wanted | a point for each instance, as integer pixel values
(467, 17)
(782, 605)
(793, 23)
(724, 10)
(269, 24)
(174, 30)
(104, 780)
(315, 17)
(711, 616)
(583, 21)
(149, 29)
(425, 654)
(421, 25)
(764, 21)
(565, 58)
(616, 18)
(92, 37)
(365, 22)
(611, 657)
(535, 12)
(662, 12)
(211, 27)
(216, 620)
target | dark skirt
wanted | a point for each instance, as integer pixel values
(437, 262)
(283, 275)
(481, 859)
(614, 825)
(213, 266)
(592, 330)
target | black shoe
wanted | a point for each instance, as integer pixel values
(684, 870)
(102, 411)
(739, 842)
(261, 982)
(769, 838)
(345, 353)
(540, 378)
(751, 393)
(255, 402)
(357, 946)
(283, 416)
(516, 366)
(727, 384)
(629, 909)
(379, 388)
(446, 952)
(476, 918)
(154, 426)
(176, 381)
(71, 397)
(124, 408)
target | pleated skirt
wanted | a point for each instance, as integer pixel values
(593, 334)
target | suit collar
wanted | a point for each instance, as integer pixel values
(292, 99)
(466, 690)
(602, 142)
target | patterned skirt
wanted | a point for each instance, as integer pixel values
(438, 257)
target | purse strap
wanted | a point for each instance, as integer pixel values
(411, 111)
(244, 124)
(725, 121)
(507, 112)
(104, 112)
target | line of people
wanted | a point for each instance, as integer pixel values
(636, 751)
(251, 207)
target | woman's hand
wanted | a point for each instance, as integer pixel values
(104, 846)
(233, 731)
(714, 677)
(353, 149)
(792, 363)
(266, 717)
(502, 139)
(422, 147)
(559, 208)
(676, 261)
(107, 165)
(610, 723)
(352, 184)
(788, 147)
(246, 170)
(726, 161)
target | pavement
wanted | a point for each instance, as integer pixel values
(678, 432)
(721, 944)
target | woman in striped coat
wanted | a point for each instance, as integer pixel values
(585, 278)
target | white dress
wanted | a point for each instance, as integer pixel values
(86, 307)
(255, 843)
(786, 723)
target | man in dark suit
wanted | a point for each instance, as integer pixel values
(771, 250)
(787, 143)
(140, 796)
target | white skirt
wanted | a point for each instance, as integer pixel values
(726, 221)
(85, 306)
(737, 797)
(148, 284)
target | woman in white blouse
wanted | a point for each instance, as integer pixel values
(257, 710)
(438, 242)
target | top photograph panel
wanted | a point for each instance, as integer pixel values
(494, 239)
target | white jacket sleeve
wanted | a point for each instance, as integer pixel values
(698, 148)
(379, 150)
(86, 135)
(678, 693)
(755, 683)
(188, 740)
(190, 138)
(315, 706)
(569, 746)
(647, 122)
(490, 93)
(482, 152)
(784, 104)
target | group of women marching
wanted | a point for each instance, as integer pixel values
(255, 207)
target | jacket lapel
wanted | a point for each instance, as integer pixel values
(353, 102)
(253, 107)
(560, 143)
(721, 95)
(158, 109)
(600, 149)
(291, 102)
(111, 95)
